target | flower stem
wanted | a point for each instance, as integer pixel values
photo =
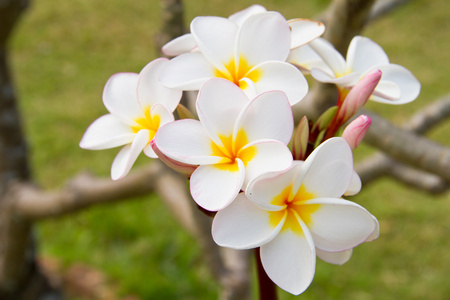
(267, 289)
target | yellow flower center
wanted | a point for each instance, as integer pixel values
(231, 150)
(147, 122)
(294, 208)
(237, 70)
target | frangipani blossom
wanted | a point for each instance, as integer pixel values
(290, 214)
(138, 106)
(397, 85)
(235, 140)
(302, 32)
(252, 56)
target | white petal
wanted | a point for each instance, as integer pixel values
(188, 71)
(330, 55)
(306, 58)
(268, 116)
(108, 131)
(164, 114)
(243, 15)
(120, 96)
(346, 80)
(219, 104)
(376, 233)
(151, 91)
(213, 187)
(243, 225)
(355, 185)
(262, 37)
(216, 39)
(329, 169)
(182, 168)
(337, 225)
(363, 54)
(404, 79)
(264, 156)
(268, 187)
(186, 141)
(387, 91)
(304, 31)
(281, 76)
(336, 258)
(180, 45)
(290, 260)
(128, 154)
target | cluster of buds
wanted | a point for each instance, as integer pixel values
(248, 69)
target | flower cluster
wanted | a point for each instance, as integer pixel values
(248, 69)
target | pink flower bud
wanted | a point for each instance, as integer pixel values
(356, 130)
(182, 168)
(358, 95)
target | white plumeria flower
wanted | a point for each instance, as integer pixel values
(296, 214)
(302, 32)
(235, 140)
(138, 106)
(251, 55)
(397, 85)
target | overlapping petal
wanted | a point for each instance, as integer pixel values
(120, 96)
(331, 169)
(307, 59)
(188, 71)
(363, 54)
(128, 154)
(280, 76)
(268, 116)
(264, 156)
(290, 260)
(330, 56)
(242, 225)
(217, 48)
(263, 37)
(214, 187)
(182, 44)
(338, 224)
(406, 82)
(150, 91)
(304, 31)
(186, 141)
(243, 15)
(219, 104)
(336, 258)
(108, 131)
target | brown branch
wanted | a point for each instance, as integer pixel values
(383, 7)
(380, 164)
(409, 148)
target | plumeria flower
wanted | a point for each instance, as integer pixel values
(138, 105)
(296, 214)
(235, 140)
(252, 56)
(326, 64)
(302, 32)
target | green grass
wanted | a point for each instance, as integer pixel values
(64, 52)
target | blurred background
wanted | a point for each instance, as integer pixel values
(62, 54)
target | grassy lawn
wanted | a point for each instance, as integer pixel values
(63, 53)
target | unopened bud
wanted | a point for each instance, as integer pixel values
(356, 130)
(358, 95)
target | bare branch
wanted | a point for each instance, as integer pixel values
(380, 164)
(408, 147)
(382, 7)
(429, 116)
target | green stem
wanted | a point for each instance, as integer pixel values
(267, 289)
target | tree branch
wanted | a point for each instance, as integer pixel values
(380, 164)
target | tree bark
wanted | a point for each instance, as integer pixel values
(20, 277)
